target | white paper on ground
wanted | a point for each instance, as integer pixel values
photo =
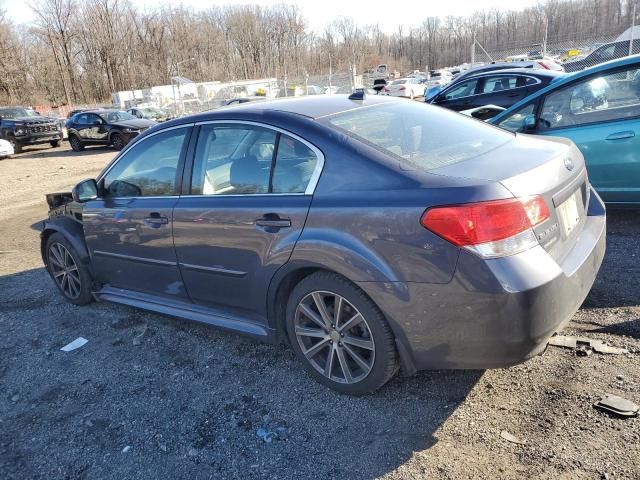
(77, 343)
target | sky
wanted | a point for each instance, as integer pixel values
(318, 13)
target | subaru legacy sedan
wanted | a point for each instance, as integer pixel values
(372, 235)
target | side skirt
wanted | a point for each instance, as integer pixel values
(187, 311)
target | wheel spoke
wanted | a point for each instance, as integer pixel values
(358, 342)
(74, 284)
(63, 284)
(352, 322)
(322, 308)
(337, 310)
(311, 332)
(55, 262)
(328, 367)
(62, 272)
(344, 365)
(316, 348)
(311, 315)
(362, 363)
(56, 255)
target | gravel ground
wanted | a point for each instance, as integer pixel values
(154, 397)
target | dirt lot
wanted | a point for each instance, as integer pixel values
(182, 400)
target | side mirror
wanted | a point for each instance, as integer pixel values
(528, 123)
(85, 190)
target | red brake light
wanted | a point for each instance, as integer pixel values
(544, 65)
(484, 222)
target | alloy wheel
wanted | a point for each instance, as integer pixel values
(334, 337)
(64, 270)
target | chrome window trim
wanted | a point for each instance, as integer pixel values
(313, 180)
(132, 144)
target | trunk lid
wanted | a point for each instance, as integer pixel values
(551, 167)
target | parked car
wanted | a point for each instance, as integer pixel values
(22, 126)
(6, 149)
(150, 113)
(371, 235)
(502, 88)
(604, 53)
(599, 110)
(404, 87)
(104, 127)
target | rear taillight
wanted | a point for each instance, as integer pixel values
(544, 65)
(491, 229)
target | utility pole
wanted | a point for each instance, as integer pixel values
(546, 36)
(473, 49)
(633, 26)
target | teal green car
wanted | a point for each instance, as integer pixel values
(599, 109)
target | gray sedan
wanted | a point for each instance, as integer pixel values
(373, 235)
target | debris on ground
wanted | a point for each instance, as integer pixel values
(512, 438)
(77, 343)
(269, 436)
(126, 449)
(617, 405)
(585, 346)
(137, 339)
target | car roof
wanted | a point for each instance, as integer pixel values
(524, 71)
(610, 65)
(313, 106)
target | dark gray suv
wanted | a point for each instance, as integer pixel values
(371, 234)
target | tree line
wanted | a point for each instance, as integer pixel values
(80, 52)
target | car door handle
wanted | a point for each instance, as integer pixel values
(155, 220)
(620, 135)
(273, 221)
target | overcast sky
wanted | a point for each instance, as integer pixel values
(388, 14)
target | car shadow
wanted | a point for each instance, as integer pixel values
(198, 397)
(618, 280)
(630, 328)
(63, 151)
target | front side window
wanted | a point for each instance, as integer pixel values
(612, 96)
(514, 122)
(237, 159)
(464, 89)
(149, 168)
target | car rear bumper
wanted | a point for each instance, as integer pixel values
(494, 313)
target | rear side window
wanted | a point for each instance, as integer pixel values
(420, 136)
(239, 159)
(499, 83)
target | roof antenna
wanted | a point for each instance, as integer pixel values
(358, 94)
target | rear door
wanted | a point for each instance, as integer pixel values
(251, 188)
(502, 90)
(601, 114)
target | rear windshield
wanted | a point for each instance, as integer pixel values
(420, 136)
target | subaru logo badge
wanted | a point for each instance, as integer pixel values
(568, 163)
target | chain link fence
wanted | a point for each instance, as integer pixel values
(574, 53)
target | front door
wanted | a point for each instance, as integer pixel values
(601, 114)
(250, 194)
(128, 229)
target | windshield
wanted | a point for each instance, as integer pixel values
(116, 116)
(420, 136)
(150, 112)
(17, 113)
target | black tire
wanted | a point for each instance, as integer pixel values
(76, 143)
(55, 143)
(383, 355)
(17, 146)
(77, 289)
(118, 141)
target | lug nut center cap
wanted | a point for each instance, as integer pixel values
(335, 336)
